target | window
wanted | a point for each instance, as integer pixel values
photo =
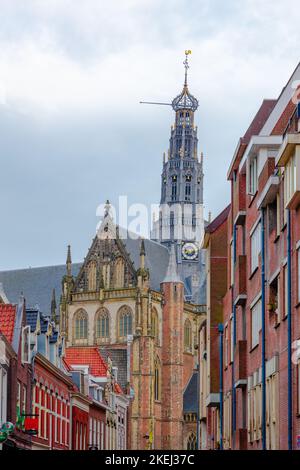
(155, 325)
(298, 274)
(125, 322)
(24, 399)
(26, 344)
(255, 323)
(278, 214)
(102, 324)
(252, 188)
(271, 412)
(81, 325)
(274, 298)
(286, 293)
(226, 352)
(187, 336)
(227, 421)
(255, 247)
(92, 276)
(157, 380)
(231, 264)
(231, 339)
(191, 442)
(18, 404)
(187, 191)
(290, 182)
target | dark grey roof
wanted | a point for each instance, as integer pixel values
(36, 284)
(119, 360)
(31, 318)
(190, 400)
(156, 260)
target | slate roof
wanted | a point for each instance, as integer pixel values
(7, 320)
(86, 356)
(36, 284)
(190, 400)
(119, 360)
(156, 259)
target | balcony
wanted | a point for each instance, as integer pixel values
(239, 200)
(240, 363)
(240, 289)
(289, 158)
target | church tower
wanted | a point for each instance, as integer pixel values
(181, 220)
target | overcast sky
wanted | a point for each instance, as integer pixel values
(72, 131)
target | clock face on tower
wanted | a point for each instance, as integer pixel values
(189, 251)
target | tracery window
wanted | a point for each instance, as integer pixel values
(124, 322)
(157, 379)
(191, 442)
(80, 324)
(187, 336)
(155, 325)
(102, 324)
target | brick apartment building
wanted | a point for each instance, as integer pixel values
(260, 382)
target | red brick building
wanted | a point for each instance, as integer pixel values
(51, 402)
(19, 373)
(260, 361)
(215, 243)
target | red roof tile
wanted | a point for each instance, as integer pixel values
(86, 356)
(7, 320)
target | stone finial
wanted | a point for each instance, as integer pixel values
(69, 261)
(53, 306)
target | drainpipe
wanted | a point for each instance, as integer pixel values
(289, 321)
(233, 414)
(220, 330)
(263, 330)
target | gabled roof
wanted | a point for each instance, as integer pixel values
(86, 356)
(282, 103)
(7, 320)
(118, 357)
(212, 227)
(255, 127)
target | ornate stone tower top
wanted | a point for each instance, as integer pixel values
(181, 221)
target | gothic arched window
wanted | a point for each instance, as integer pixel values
(155, 324)
(102, 325)
(187, 336)
(81, 325)
(92, 276)
(191, 443)
(157, 379)
(124, 322)
(119, 273)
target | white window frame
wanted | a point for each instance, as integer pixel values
(298, 274)
(255, 241)
(253, 176)
(256, 322)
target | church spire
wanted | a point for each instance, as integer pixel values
(172, 273)
(185, 101)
